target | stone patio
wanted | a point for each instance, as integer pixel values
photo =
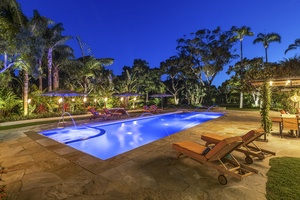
(42, 169)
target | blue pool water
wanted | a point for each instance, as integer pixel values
(108, 140)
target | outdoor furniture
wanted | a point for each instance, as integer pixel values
(291, 124)
(96, 114)
(146, 109)
(219, 157)
(153, 108)
(279, 121)
(111, 113)
(287, 122)
(283, 112)
(249, 148)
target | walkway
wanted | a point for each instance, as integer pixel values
(42, 169)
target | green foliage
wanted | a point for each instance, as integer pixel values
(283, 179)
(37, 116)
(265, 107)
(281, 100)
(8, 102)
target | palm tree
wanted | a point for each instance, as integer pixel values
(85, 71)
(61, 57)
(293, 46)
(39, 25)
(53, 40)
(240, 33)
(266, 39)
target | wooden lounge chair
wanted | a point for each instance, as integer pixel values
(249, 148)
(146, 109)
(153, 108)
(219, 157)
(112, 114)
(96, 114)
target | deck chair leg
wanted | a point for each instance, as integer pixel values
(178, 155)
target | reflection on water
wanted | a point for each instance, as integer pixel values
(107, 140)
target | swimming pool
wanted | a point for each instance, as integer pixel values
(108, 140)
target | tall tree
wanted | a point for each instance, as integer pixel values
(173, 68)
(61, 57)
(266, 39)
(240, 33)
(39, 25)
(13, 32)
(210, 51)
(53, 37)
(148, 79)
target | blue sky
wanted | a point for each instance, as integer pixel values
(148, 29)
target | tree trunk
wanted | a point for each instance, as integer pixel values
(25, 92)
(241, 99)
(266, 52)
(256, 99)
(49, 57)
(41, 83)
(242, 76)
(55, 78)
(40, 76)
(176, 100)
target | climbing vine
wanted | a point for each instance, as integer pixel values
(265, 108)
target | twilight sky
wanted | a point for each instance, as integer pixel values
(148, 29)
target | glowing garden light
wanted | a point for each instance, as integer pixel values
(105, 100)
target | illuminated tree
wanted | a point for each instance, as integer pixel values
(210, 51)
(53, 39)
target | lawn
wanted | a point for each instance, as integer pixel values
(283, 179)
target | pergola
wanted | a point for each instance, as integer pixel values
(282, 82)
(286, 84)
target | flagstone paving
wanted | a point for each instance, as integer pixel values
(40, 168)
